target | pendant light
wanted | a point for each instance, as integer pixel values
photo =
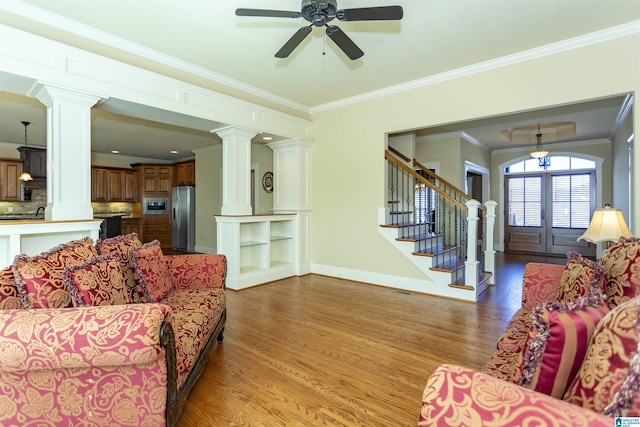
(540, 151)
(25, 176)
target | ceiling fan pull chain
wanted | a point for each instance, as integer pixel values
(324, 44)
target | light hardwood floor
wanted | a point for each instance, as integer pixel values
(320, 351)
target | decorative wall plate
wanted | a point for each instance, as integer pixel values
(267, 182)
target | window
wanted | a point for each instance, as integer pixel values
(571, 200)
(557, 163)
(525, 201)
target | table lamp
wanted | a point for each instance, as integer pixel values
(607, 225)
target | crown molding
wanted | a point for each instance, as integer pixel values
(552, 147)
(625, 109)
(47, 18)
(447, 135)
(56, 21)
(527, 55)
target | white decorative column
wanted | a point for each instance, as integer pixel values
(68, 151)
(292, 192)
(471, 265)
(236, 170)
(489, 251)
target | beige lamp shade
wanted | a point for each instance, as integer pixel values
(25, 176)
(607, 225)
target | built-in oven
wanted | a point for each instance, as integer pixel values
(155, 205)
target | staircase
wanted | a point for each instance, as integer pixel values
(439, 229)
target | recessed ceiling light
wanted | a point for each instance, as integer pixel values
(174, 152)
(115, 151)
(267, 138)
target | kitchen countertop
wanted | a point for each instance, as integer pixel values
(33, 217)
(14, 217)
(113, 214)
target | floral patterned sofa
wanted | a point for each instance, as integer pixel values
(111, 334)
(569, 357)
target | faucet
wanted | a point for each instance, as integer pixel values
(38, 210)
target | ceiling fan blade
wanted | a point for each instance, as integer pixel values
(293, 42)
(344, 42)
(382, 13)
(268, 13)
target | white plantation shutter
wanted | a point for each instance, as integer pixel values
(525, 201)
(571, 200)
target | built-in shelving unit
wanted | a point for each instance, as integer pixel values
(259, 248)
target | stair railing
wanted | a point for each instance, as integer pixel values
(428, 215)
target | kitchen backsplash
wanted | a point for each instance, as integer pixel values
(113, 207)
(39, 198)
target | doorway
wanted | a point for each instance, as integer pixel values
(547, 211)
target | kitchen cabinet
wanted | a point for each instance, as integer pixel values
(156, 179)
(131, 225)
(185, 173)
(113, 185)
(99, 181)
(157, 227)
(34, 161)
(129, 185)
(10, 185)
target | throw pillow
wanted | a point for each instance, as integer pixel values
(152, 273)
(609, 379)
(580, 278)
(123, 245)
(9, 298)
(39, 278)
(98, 281)
(557, 343)
(621, 264)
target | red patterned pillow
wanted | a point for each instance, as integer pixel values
(580, 278)
(621, 264)
(609, 379)
(39, 278)
(152, 273)
(123, 245)
(557, 343)
(9, 297)
(98, 281)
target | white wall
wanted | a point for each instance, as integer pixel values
(348, 164)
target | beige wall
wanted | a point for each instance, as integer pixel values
(348, 164)
(208, 196)
(209, 190)
(261, 162)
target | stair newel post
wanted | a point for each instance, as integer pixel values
(489, 252)
(471, 264)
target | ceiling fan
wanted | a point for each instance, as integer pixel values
(319, 13)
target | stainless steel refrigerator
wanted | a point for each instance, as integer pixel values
(183, 218)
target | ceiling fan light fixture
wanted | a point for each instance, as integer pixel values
(25, 176)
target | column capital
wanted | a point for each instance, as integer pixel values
(298, 142)
(48, 94)
(234, 133)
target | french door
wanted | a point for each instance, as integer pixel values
(547, 212)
